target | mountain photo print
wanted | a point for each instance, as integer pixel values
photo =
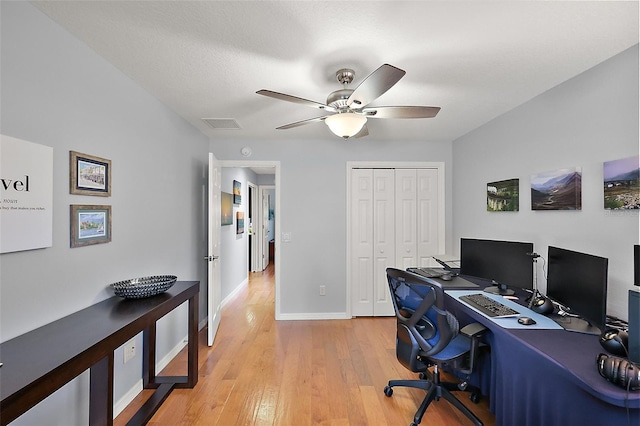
(621, 184)
(557, 190)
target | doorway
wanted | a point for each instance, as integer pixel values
(255, 264)
(267, 223)
(262, 167)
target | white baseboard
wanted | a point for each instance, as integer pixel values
(234, 292)
(128, 397)
(172, 354)
(313, 316)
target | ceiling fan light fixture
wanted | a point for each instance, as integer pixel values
(345, 125)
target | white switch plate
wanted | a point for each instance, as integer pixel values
(286, 237)
(129, 350)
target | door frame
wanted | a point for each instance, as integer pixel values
(256, 258)
(438, 165)
(278, 260)
(263, 190)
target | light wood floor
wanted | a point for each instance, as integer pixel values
(266, 372)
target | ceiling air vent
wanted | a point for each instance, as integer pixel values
(222, 123)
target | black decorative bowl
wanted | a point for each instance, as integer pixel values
(138, 288)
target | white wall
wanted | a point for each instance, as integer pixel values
(58, 92)
(312, 194)
(583, 122)
(234, 248)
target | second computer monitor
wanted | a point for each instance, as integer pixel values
(578, 281)
(508, 263)
(636, 265)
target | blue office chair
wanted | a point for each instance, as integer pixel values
(427, 336)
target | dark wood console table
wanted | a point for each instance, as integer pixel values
(39, 362)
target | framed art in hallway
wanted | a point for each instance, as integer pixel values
(226, 201)
(90, 224)
(237, 192)
(239, 222)
(89, 175)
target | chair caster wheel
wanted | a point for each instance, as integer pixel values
(474, 397)
(413, 424)
(422, 376)
(388, 390)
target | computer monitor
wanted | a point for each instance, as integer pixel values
(636, 265)
(507, 263)
(578, 282)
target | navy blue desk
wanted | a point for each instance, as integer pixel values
(548, 377)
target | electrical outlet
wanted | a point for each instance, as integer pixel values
(129, 350)
(323, 290)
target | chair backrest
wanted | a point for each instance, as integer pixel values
(424, 325)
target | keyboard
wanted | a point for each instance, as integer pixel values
(488, 306)
(428, 272)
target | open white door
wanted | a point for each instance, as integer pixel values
(214, 294)
(264, 216)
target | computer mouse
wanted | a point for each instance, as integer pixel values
(446, 277)
(526, 321)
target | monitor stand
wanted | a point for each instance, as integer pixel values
(500, 289)
(575, 324)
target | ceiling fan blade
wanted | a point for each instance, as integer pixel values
(295, 99)
(362, 133)
(377, 83)
(401, 112)
(301, 123)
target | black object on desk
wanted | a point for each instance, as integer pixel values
(39, 362)
(526, 321)
(428, 272)
(454, 281)
(489, 306)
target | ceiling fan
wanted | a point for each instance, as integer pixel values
(350, 107)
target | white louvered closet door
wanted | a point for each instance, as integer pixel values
(372, 240)
(394, 223)
(416, 217)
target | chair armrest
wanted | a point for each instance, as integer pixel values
(474, 332)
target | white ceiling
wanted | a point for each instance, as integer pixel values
(475, 59)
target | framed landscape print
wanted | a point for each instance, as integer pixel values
(503, 196)
(622, 183)
(90, 225)
(557, 190)
(89, 175)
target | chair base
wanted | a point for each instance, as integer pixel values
(436, 390)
